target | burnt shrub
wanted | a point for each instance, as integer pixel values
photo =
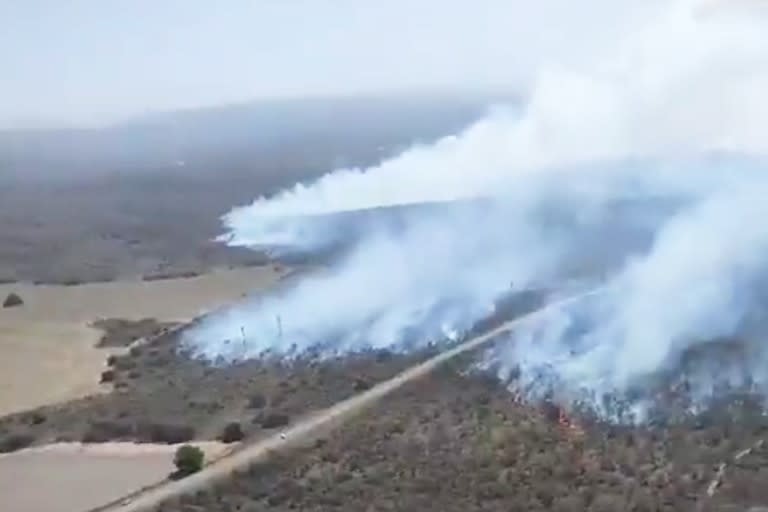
(107, 430)
(257, 401)
(36, 418)
(232, 433)
(188, 459)
(107, 376)
(12, 301)
(125, 363)
(14, 442)
(161, 275)
(165, 433)
(361, 385)
(274, 420)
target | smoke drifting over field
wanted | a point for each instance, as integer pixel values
(647, 170)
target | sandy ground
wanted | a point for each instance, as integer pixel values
(47, 346)
(75, 477)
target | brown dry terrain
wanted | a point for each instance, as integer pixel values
(114, 226)
(455, 442)
(161, 394)
(89, 205)
(165, 397)
(102, 234)
(55, 335)
(75, 478)
(118, 332)
(143, 200)
(446, 442)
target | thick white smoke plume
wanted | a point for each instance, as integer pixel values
(648, 169)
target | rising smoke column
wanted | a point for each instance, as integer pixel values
(672, 115)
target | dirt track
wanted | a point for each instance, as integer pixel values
(303, 432)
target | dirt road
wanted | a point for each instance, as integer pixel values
(305, 431)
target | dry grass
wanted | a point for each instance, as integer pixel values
(52, 338)
(453, 443)
(74, 478)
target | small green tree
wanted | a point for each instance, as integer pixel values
(188, 459)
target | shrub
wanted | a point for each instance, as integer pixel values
(188, 460)
(107, 430)
(361, 385)
(607, 503)
(257, 401)
(36, 418)
(274, 420)
(166, 433)
(107, 376)
(14, 442)
(12, 300)
(125, 363)
(232, 433)
(161, 276)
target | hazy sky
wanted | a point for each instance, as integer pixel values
(73, 62)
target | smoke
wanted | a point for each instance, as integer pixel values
(697, 288)
(646, 169)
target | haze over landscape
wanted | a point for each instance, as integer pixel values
(242, 226)
(672, 114)
(86, 63)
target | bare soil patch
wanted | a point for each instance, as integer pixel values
(75, 478)
(54, 337)
(163, 396)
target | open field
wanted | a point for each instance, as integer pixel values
(75, 478)
(112, 204)
(86, 251)
(143, 200)
(53, 337)
(164, 395)
(146, 197)
(107, 237)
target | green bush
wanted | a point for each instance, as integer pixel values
(188, 459)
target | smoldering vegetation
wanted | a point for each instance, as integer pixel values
(613, 174)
